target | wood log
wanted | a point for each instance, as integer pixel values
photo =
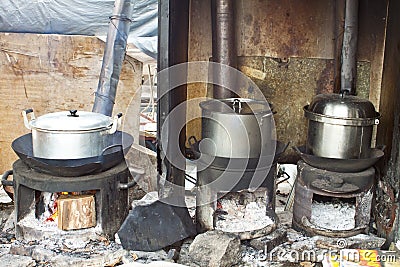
(76, 212)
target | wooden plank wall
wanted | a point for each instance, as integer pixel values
(52, 73)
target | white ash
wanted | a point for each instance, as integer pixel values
(242, 218)
(253, 257)
(333, 216)
(4, 198)
(294, 236)
(76, 243)
(38, 228)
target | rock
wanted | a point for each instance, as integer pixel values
(269, 242)
(129, 257)
(285, 218)
(148, 199)
(9, 225)
(184, 252)
(21, 249)
(141, 157)
(149, 256)
(6, 209)
(173, 254)
(9, 260)
(215, 249)
(76, 243)
(360, 241)
(108, 259)
(153, 226)
(153, 264)
(42, 255)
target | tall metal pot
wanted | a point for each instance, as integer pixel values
(236, 127)
(340, 126)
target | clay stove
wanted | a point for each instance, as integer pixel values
(111, 202)
(331, 203)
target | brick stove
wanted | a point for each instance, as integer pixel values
(111, 200)
(334, 197)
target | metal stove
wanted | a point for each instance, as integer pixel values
(315, 184)
(111, 200)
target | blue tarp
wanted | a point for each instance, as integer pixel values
(83, 17)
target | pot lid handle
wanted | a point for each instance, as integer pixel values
(344, 92)
(73, 113)
(237, 104)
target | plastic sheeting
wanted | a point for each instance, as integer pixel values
(83, 17)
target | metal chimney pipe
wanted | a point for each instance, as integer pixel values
(349, 48)
(223, 45)
(114, 55)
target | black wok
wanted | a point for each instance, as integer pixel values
(109, 158)
(195, 154)
(341, 165)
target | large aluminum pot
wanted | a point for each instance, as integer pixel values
(236, 127)
(340, 126)
(70, 134)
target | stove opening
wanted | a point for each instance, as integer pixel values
(66, 210)
(333, 213)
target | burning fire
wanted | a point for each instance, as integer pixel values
(51, 204)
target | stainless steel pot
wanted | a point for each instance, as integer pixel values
(70, 134)
(340, 126)
(236, 127)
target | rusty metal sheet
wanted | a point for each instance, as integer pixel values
(285, 28)
(291, 85)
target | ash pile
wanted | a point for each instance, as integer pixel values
(244, 235)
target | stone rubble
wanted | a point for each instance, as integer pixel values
(212, 248)
(282, 247)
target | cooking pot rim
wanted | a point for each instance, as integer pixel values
(205, 105)
(80, 122)
(340, 120)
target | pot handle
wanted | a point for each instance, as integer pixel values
(4, 177)
(101, 157)
(25, 116)
(136, 170)
(116, 123)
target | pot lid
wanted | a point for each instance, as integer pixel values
(345, 107)
(72, 121)
(242, 106)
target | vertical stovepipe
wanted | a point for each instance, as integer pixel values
(223, 45)
(349, 48)
(114, 54)
(173, 32)
(224, 52)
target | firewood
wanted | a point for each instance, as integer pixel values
(76, 212)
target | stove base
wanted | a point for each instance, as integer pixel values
(357, 186)
(111, 202)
